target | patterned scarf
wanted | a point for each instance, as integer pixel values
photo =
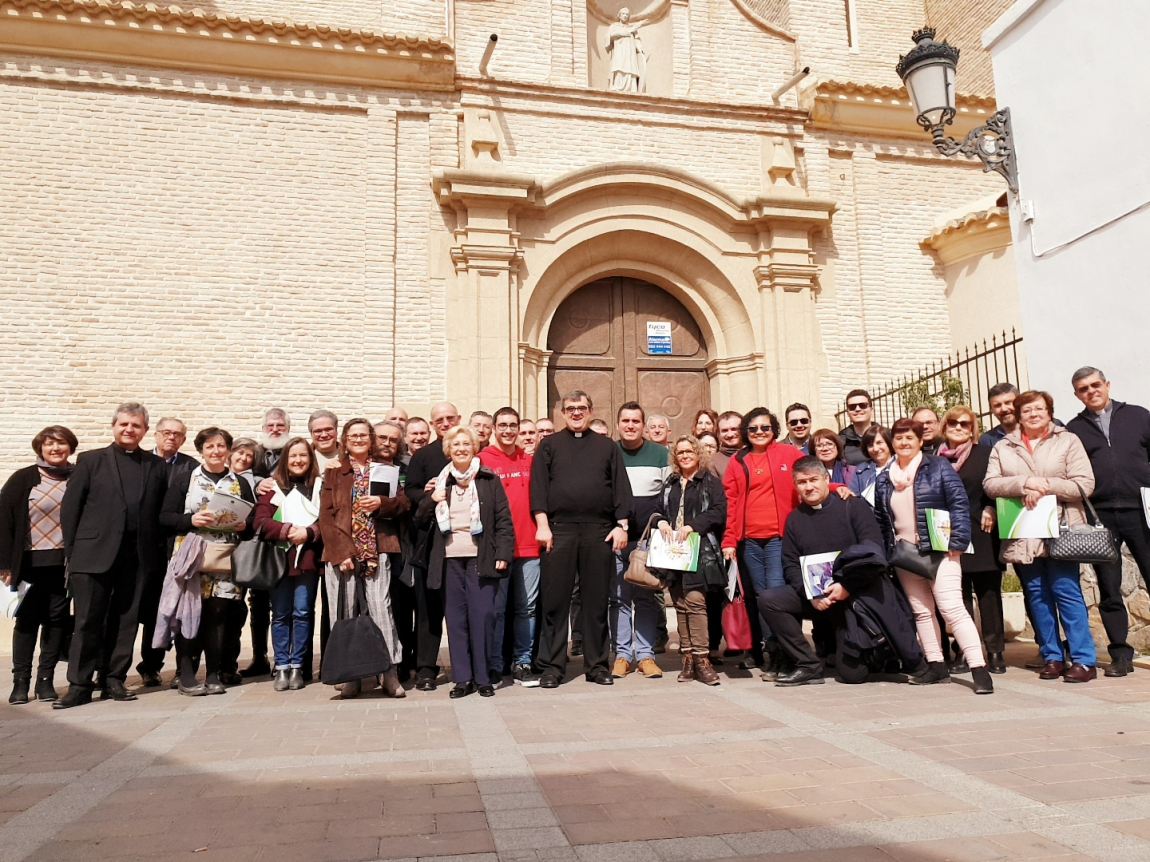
(443, 509)
(901, 478)
(958, 456)
(362, 523)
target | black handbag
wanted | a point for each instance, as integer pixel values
(1088, 543)
(909, 558)
(355, 648)
(259, 565)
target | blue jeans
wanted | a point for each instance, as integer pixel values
(763, 559)
(293, 615)
(1053, 585)
(524, 585)
(634, 615)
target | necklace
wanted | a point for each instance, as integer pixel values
(759, 466)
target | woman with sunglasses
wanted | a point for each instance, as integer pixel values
(760, 496)
(798, 419)
(981, 571)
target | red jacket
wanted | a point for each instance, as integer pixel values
(781, 457)
(514, 472)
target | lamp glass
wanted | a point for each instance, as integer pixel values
(931, 88)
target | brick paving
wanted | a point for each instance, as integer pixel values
(646, 771)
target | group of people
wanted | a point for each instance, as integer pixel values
(520, 536)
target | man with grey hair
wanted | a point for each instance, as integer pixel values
(114, 546)
(1116, 436)
(275, 433)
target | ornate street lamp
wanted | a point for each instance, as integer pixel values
(928, 70)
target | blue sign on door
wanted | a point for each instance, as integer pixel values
(659, 337)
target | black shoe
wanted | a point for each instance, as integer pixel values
(425, 683)
(150, 679)
(461, 689)
(45, 688)
(661, 645)
(549, 680)
(280, 683)
(75, 696)
(19, 690)
(487, 691)
(576, 650)
(1119, 667)
(230, 678)
(983, 684)
(114, 690)
(959, 665)
(800, 676)
(258, 667)
(215, 687)
(295, 679)
(935, 672)
(996, 663)
(195, 690)
(601, 677)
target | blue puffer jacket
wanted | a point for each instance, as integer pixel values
(936, 486)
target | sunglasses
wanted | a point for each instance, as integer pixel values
(855, 408)
(760, 429)
(960, 423)
(798, 423)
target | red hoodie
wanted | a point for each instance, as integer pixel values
(514, 471)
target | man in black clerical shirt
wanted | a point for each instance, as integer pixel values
(114, 546)
(580, 497)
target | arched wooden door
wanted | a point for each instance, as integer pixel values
(603, 342)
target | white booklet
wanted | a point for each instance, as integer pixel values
(298, 510)
(231, 512)
(384, 480)
(1146, 505)
(818, 570)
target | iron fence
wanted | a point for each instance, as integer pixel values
(963, 378)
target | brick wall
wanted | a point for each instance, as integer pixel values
(962, 25)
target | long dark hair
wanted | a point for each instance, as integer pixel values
(283, 477)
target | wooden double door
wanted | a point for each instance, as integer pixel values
(609, 338)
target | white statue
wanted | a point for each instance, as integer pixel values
(628, 59)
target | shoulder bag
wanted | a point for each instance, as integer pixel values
(1087, 543)
(637, 573)
(259, 565)
(909, 558)
(355, 648)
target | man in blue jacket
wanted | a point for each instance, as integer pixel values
(1117, 439)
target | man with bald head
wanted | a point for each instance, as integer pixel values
(425, 467)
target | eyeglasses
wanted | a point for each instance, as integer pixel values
(798, 423)
(576, 408)
(358, 436)
(1086, 387)
(170, 433)
(960, 423)
(507, 426)
(760, 429)
(322, 432)
(857, 406)
(683, 452)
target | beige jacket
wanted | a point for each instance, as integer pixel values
(1060, 458)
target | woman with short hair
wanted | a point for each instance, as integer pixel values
(359, 530)
(827, 446)
(1036, 459)
(914, 484)
(879, 449)
(472, 548)
(32, 558)
(981, 571)
(184, 512)
(693, 502)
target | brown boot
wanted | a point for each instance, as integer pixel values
(704, 673)
(687, 674)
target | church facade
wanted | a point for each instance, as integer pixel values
(350, 205)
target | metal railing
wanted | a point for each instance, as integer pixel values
(963, 378)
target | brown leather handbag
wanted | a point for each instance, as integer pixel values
(637, 573)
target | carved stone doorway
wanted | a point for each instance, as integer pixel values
(600, 342)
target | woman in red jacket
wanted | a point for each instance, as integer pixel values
(760, 496)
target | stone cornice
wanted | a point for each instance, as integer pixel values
(873, 109)
(974, 234)
(145, 34)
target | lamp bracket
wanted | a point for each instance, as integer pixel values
(991, 143)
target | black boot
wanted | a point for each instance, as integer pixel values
(935, 672)
(45, 689)
(19, 689)
(996, 662)
(75, 696)
(982, 681)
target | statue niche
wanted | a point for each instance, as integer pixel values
(630, 46)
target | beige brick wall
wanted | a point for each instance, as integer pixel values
(962, 25)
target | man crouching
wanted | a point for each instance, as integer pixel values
(859, 613)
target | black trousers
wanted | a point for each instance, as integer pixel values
(987, 587)
(403, 612)
(428, 626)
(44, 611)
(784, 610)
(107, 610)
(151, 658)
(576, 614)
(1129, 528)
(259, 622)
(217, 621)
(576, 548)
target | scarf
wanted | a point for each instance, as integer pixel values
(61, 472)
(958, 456)
(901, 478)
(443, 509)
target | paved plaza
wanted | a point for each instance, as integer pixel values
(646, 771)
